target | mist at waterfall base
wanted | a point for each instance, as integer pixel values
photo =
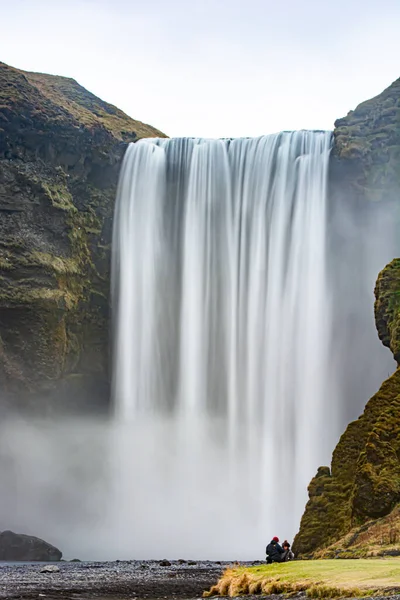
(244, 341)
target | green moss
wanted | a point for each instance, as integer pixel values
(60, 196)
(58, 264)
(60, 151)
(367, 144)
(6, 263)
(364, 480)
(387, 307)
(377, 479)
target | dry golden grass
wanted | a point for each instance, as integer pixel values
(374, 538)
(87, 108)
(318, 578)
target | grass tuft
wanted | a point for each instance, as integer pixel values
(318, 578)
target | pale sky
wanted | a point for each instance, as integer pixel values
(213, 68)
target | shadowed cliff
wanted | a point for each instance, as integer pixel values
(60, 152)
(363, 483)
(366, 153)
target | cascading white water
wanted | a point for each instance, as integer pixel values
(222, 327)
(224, 397)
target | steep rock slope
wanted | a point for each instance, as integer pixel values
(366, 154)
(363, 482)
(60, 152)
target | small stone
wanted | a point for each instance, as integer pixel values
(50, 569)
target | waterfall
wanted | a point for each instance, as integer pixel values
(222, 328)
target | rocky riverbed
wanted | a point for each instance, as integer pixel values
(108, 580)
(119, 580)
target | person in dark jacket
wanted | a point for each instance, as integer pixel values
(274, 551)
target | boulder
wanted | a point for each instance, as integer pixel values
(20, 547)
(50, 569)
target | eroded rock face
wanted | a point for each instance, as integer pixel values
(387, 307)
(60, 152)
(364, 480)
(20, 547)
(366, 153)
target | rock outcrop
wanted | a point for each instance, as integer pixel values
(20, 547)
(363, 482)
(60, 152)
(366, 154)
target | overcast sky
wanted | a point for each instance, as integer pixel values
(213, 68)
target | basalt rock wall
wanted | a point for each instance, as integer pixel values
(60, 154)
(363, 482)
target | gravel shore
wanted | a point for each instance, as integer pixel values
(124, 580)
(108, 580)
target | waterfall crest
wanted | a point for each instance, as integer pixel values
(222, 323)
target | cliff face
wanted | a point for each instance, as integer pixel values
(366, 154)
(363, 482)
(60, 152)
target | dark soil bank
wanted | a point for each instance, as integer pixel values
(127, 579)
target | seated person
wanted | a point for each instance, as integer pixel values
(287, 553)
(274, 551)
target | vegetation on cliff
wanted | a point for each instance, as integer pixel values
(357, 497)
(363, 482)
(60, 151)
(366, 153)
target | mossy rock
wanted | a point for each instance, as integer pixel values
(366, 152)
(387, 307)
(60, 153)
(364, 480)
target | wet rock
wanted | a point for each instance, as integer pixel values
(391, 553)
(192, 562)
(164, 563)
(50, 569)
(20, 547)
